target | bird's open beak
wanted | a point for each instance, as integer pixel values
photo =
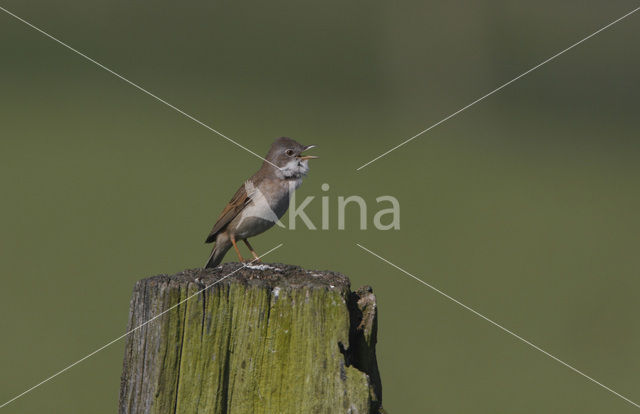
(307, 157)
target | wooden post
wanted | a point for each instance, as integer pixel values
(268, 339)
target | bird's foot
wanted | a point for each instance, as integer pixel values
(250, 261)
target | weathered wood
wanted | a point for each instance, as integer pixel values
(272, 339)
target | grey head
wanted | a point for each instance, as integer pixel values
(286, 154)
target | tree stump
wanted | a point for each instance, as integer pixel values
(268, 339)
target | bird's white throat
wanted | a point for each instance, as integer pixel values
(294, 169)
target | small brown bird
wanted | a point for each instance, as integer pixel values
(261, 201)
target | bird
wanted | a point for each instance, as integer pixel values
(261, 201)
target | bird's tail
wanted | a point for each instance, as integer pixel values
(217, 254)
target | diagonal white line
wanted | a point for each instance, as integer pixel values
(134, 329)
(498, 326)
(135, 85)
(498, 88)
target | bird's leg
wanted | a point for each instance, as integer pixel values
(253, 252)
(235, 246)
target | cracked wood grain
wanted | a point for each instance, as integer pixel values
(281, 339)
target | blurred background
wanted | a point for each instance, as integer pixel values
(524, 207)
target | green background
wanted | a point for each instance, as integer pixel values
(524, 207)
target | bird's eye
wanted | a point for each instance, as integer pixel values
(289, 152)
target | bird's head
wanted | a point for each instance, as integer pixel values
(286, 154)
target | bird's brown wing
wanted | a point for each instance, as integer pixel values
(235, 206)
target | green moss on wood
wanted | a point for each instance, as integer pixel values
(260, 341)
